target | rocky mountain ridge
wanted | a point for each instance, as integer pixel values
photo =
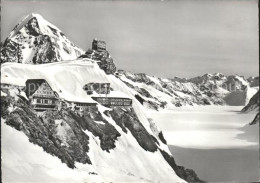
(209, 89)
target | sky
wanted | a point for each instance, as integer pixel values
(183, 38)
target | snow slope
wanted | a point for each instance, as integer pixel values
(23, 161)
(128, 161)
(67, 78)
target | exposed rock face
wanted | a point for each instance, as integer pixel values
(162, 138)
(229, 83)
(210, 89)
(36, 41)
(255, 120)
(105, 63)
(60, 133)
(126, 118)
(253, 104)
(11, 52)
(96, 124)
(158, 93)
(253, 81)
(56, 132)
(187, 174)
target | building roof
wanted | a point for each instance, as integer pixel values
(62, 94)
(37, 83)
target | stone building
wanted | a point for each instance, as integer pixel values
(98, 45)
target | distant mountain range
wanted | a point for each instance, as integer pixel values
(209, 89)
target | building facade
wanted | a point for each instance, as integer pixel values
(98, 45)
(40, 95)
(113, 101)
(81, 106)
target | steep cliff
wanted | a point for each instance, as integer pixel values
(253, 106)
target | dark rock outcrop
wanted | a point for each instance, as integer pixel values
(126, 118)
(11, 52)
(253, 104)
(187, 174)
(98, 126)
(139, 98)
(161, 137)
(255, 120)
(253, 81)
(105, 63)
(55, 132)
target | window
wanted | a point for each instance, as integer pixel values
(127, 102)
(39, 101)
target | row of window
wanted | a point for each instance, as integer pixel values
(43, 101)
(82, 104)
(45, 92)
(114, 102)
(121, 103)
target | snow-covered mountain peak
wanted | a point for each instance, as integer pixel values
(36, 21)
(35, 41)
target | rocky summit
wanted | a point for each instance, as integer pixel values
(36, 41)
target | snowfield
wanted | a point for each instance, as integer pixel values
(205, 127)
